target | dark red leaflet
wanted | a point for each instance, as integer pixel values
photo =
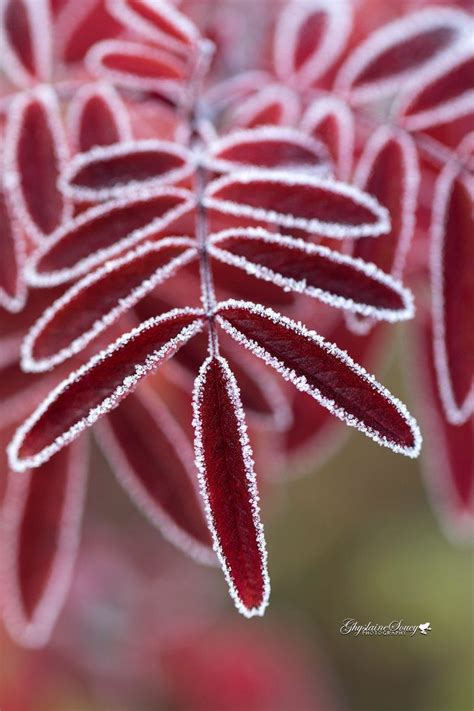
(145, 67)
(309, 38)
(39, 168)
(270, 153)
(154, 460)
(325, 372)
(105, 230)
(407, 54)
(317, 270)
(225, 475)
(9, 268)
(98, 382)
(450, 85)
(98, 298)
(18, 31)
(98, 126)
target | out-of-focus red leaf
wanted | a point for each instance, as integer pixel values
(96, 301)
(330, 120)
(158, 21)
(335, 279)
(99, 386)
(314, 205)
(228, 485)
(81, 25)
(35, 153)
(401, 50)
(452, 280)
(109, 172)
(97, 117)
(25, 40)
(324, 372)
(103, 232)
(40, 534)
(309, 37)
(12, 255)
(153, 459)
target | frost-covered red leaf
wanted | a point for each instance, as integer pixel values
(402, 51)
(268, 147)
(335, 279)
(444, 94)
(96, 301)
(228, 485)
(12, 255)
(274, 105)
(314, 205)
(41, 523)
(309, 37)
(35, 154)
(330, 120)
(97, 117)
(453, 291)
(158, 21)
(137, 66)
(108, 172)
(322, 370)
(25, 40)
(388, 169)
(448, 460)
(153, 460)
(98, 386)
(103, 232)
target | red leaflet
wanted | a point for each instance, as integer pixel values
(448, 459)
(309, 38)
(228, 485)
(96, 301)
(103, 232)
(104, 173)
(80, 25)
(40, 535)
(331, 121)
(158, 21)
(136, 66)
(388, 170)
(323, 371)
(316, 271)
(452, 291)
(267, 147)
(35, 153)
(99, 386)
(443, 95)
(12, 254)
(97, 117)
(314, 205)
(274, 105)
(153, 460)
(25, 39)
(401, 50)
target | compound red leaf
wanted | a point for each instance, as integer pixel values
(35, 154)
(91, 305)
(40, 535)
(99, 386)
(12, 255)
(324, 372)
(109, 172)
(105, 231)
(153, 460)
(267, 147)
(137, 66)
(274, 105)
(444, 94)
(228, 485)
(336, 279)
(330, 120)
(314, 205)
(401, 50)
(388, 169)
(97, 117)
(157, 21)
(25, 39)
(452, 290)
(309, 37)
